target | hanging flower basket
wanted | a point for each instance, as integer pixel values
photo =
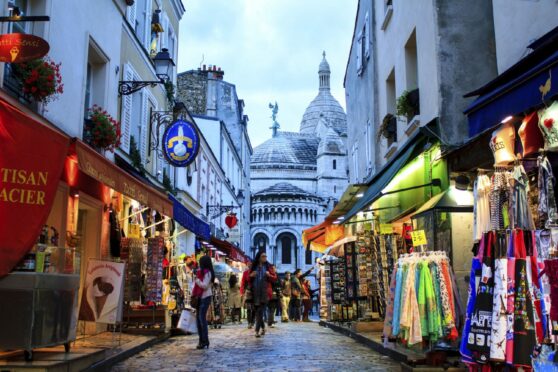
(101, 130)
(40, 79)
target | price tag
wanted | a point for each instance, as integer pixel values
(386, 228)
(419, 238)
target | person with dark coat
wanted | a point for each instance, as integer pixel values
(273, 302)
(262, 275)
(247, 298)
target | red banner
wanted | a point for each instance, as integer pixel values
(31, 162)
(16, 48)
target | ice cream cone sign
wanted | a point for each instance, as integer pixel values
(17, 48)
(231, 220)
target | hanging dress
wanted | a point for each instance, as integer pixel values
(481, 319)
(511, 299)
(499, 313)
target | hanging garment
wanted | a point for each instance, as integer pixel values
(500, 299)
(481, 319)
(520, 212)
(388, 320)
(481, 206)
(429, 320)
(524, 333)
(511, 300)
(547, 184)
(551, 271)
(410, 317)
(474, 280)
(502, 144)
(535, 284)
(499, 197)
(398, 275)
(530, 134)
(434, 270)
(548, 122)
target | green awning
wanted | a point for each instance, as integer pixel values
(451, 200)
(383, 178)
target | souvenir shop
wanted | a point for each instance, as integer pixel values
(411, 217)
(511, 313)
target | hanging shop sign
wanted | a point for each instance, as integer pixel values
(231, 220)
(101, 300)
(181, 143)
(16, 48)
(419, 238)
(32, 158)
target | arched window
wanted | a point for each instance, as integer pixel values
(260, 242)
(287, 242)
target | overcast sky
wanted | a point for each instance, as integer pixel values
(270, 49)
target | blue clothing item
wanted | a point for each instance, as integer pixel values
(397, 301)
(201, 320)
(476, 267)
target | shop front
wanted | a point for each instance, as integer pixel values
(511, 318)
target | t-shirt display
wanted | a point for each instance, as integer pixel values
(502, 144)
(530, 135)
(548, 122)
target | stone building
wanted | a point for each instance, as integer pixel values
(296, 179)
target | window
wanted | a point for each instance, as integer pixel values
(390, 103)
(411, 64)
(368, 140)
(139, 17)
(286, 256)
(308, 258)
(367, 32)
(95, 79)
(334, 164)
(359, 49)
(354, 155)
(14, 7)
(334, 189)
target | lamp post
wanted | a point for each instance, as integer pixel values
(163, 68)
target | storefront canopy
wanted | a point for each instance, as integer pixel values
(229, 249)
(186, 219)
(383, 177)
(321, 236)
(100, 168)
(520, 88)
(451, 200)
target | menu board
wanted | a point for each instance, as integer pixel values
(154, 269)
(337, 271)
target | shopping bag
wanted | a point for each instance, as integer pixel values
(187, 322)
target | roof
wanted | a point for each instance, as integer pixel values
(283, 188)
(324, 104)
(287, 148)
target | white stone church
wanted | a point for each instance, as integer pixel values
(297, 178)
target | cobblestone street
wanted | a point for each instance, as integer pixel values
(288, 347)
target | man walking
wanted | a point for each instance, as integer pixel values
(286, 299)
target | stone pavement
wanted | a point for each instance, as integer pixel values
(287, 347)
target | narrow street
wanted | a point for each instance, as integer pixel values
(288, 347)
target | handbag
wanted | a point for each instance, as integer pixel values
(197, 293)
(187, 322)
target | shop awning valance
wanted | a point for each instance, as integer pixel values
(518, 89)
(32, 157)
(100, 168)
(382, 178)
(451, 200)
(186, 219)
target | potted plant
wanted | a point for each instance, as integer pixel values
(388, 126)
(40, 79)
(170, 90)
(135, 156)
(408, 104)
(101, 130)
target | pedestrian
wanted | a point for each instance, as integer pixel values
(204, 280)
(306, 299)
(234, 300)
(273, 302)
(262, 275)
(247, 298)
(296, 290)
(286, 297)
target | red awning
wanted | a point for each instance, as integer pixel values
(232, 251)
(100, 168)
(32, 157)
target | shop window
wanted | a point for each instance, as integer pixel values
(308, 258)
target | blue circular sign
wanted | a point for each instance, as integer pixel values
(181, 143)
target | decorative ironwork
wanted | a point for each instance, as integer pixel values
(214, 211)
(161, 119)
(128, 87)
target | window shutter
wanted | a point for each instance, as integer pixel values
(126, 119)
(359, 53)
(131, 14)
(147, 29)
(144, 125)
(367, 36)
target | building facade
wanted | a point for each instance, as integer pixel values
(406, 70)
(297, 177)
(220, 116)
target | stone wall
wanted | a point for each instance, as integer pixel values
(192, 91)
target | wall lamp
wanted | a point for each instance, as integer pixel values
(163, 67)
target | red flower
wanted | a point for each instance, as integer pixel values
(548, 122)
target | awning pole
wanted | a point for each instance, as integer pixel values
(155, 224)
(178, 234)
(133, 214)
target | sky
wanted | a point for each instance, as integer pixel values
(271, 50)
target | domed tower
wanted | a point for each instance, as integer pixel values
(324, 105)
(331, 163)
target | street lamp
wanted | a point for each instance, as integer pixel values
(163, 67)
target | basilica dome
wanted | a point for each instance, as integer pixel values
(286, 149)
(324, 105)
